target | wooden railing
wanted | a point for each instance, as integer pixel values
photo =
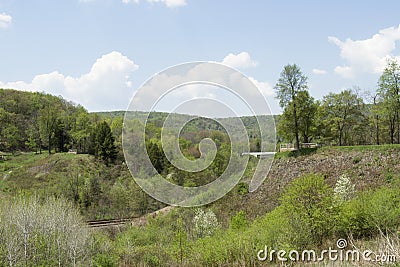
(291, 147)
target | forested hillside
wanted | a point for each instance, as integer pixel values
(38, 121)
(311, 197)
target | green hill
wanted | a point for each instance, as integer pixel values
(308, 199)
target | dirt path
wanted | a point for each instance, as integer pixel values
(141, 221)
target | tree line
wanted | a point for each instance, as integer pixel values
(350, 117)
(33, 121)
(38, 121)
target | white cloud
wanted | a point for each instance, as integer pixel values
(369, 55)
(319, 72)
(243, 60)
(265, 88)
(106, 85)
(5, 20)
(239, 61)
(240, 94)
(168, 3)
(345, 71)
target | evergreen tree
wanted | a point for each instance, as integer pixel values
(105, 148)
(156, 156)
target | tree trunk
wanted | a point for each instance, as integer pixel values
(377, 130)
(398, 127)
(296, 126)
(377, 122)
(392, 128)
(49, 144)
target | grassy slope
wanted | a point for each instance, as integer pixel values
(32, 172)
(60, 174)
(368, 166)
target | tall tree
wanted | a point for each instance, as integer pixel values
(342, 112)
(116, 128)
(81, 129)
(156, 156)
(48, 123)
(389, 92)
(104, 143)
(12, 137)
(291, 82)
(307, 110)
(375, 117)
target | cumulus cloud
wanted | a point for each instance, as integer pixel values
(243, 60)
(233, 89)
(107, 84)
(239, 61)
(265, 87)
(5, 20)
(168, 3)
(319, 72)
(369, 55)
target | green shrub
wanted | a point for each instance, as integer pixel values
(242, 188)
(105, 260)
(272, 230)
(369, 212)
(308, 202)
(238, 221)
(385, 208)
(105, 254)
(353, 217)
(225, 248)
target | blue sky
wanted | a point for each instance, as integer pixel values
(98, 52)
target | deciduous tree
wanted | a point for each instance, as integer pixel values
(291, 82)
(389, 92)
(48, 124)
(341, 112)
(307, 110)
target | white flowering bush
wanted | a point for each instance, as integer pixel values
(205, 223)
(344, 189)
